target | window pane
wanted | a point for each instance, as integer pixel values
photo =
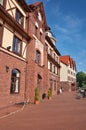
(51, 67)
(54, 85)
(14, 44)
(51, 83)
(17, 85)
(19, 17)
(37, 57)
(15, 78)
(17, 45)
(1, 33)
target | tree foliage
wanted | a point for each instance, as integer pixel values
(81, 79)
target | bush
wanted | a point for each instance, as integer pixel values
(49, 92)
(37, 94)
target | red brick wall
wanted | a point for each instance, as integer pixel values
(30, 81)
(32, 68)
(56, 78)
(67, 86)
(5, 79)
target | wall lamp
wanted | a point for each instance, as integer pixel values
(7, 68)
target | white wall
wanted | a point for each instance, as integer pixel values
(63, 72)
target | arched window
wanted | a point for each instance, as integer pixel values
(15, 81)
(38, 56)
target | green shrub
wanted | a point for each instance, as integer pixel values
(37, 94)
(49, 92)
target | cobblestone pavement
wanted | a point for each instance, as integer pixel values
(62, 112)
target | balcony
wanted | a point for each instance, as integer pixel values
(51, 36)
(53, 60)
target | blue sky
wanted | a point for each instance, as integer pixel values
(67, 20)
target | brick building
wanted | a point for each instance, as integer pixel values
(14, 40)
(67, 73)
(24, 61)
(37, 72)
(53, 62)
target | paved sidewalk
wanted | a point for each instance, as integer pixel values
(63, 112)
(9, 110)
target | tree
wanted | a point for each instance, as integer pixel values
(81, 79)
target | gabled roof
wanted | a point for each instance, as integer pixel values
(64, 59)
(38, 6)
(67, 60)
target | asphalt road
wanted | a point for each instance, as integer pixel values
(62, 112)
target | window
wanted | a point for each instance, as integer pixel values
(15, 80)
(54, 84)
(19, 17)
(51, 83)
(50, 52)
(57, 59)
(69, 71)
(54, 69)
(69, 78)
(36, 29)
(1, 2)
(38, 57)
(1, 33)
(46, 47)
(51, 67)
(39, 16)
(40, 36)
(17, 45)
(54, 55)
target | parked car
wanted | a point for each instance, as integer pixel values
(82, 92)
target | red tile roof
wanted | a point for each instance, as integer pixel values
(67, 60)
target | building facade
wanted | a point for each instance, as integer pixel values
(53, 62)
(39, 60)
(14, 40)
(28, 55)
(25, 62)
(37, 72)
(67, 73)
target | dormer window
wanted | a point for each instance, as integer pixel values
(19, 17)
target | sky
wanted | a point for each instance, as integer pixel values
(67, 20)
